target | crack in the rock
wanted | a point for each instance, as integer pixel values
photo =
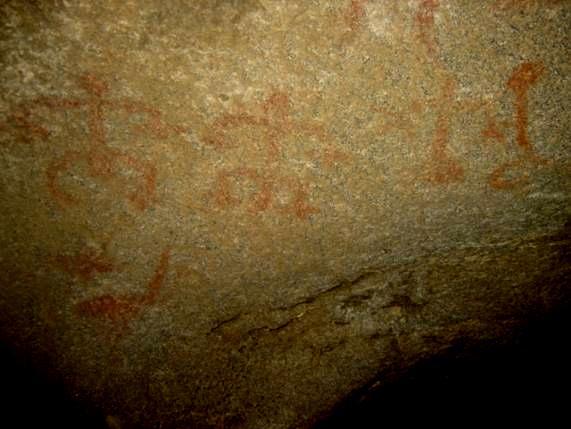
(342, 285)
(272, 328)
(224, 322)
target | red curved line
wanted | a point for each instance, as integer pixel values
(143, 197)
(497, 181)
(124, 308)
(53, 172)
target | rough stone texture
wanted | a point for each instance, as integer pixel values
(213, 207)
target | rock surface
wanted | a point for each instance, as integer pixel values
(213, 207)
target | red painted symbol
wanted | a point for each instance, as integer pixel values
(356, 13)
(424, 20)
(264, 196)
(273, 117)
(102, 161)
(521, 80)
(257, 189)
(123, 309)
(135, 178)
(85, 265)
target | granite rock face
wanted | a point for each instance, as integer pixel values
(213, 207)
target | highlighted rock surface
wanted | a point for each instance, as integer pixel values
(213, 207)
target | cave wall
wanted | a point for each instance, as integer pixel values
(213, 207)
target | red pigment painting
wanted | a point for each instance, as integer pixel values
(522, 79)
(264, 198)
(121, 310)
(85, 265)
(100, 161)
(273, 116)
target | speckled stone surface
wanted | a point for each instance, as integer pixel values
(236, 213)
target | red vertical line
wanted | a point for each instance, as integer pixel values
(425, 21)
(522, 121)
(521, 80)
(356, 13)
(442, 135)
(158, 279)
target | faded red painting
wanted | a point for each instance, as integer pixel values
(121, 310)
(134, 177)
(274, 119)
(263, 197)
(522, 79)
(86, 264)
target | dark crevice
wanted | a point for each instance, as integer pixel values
(32, 398)
(523, 376)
